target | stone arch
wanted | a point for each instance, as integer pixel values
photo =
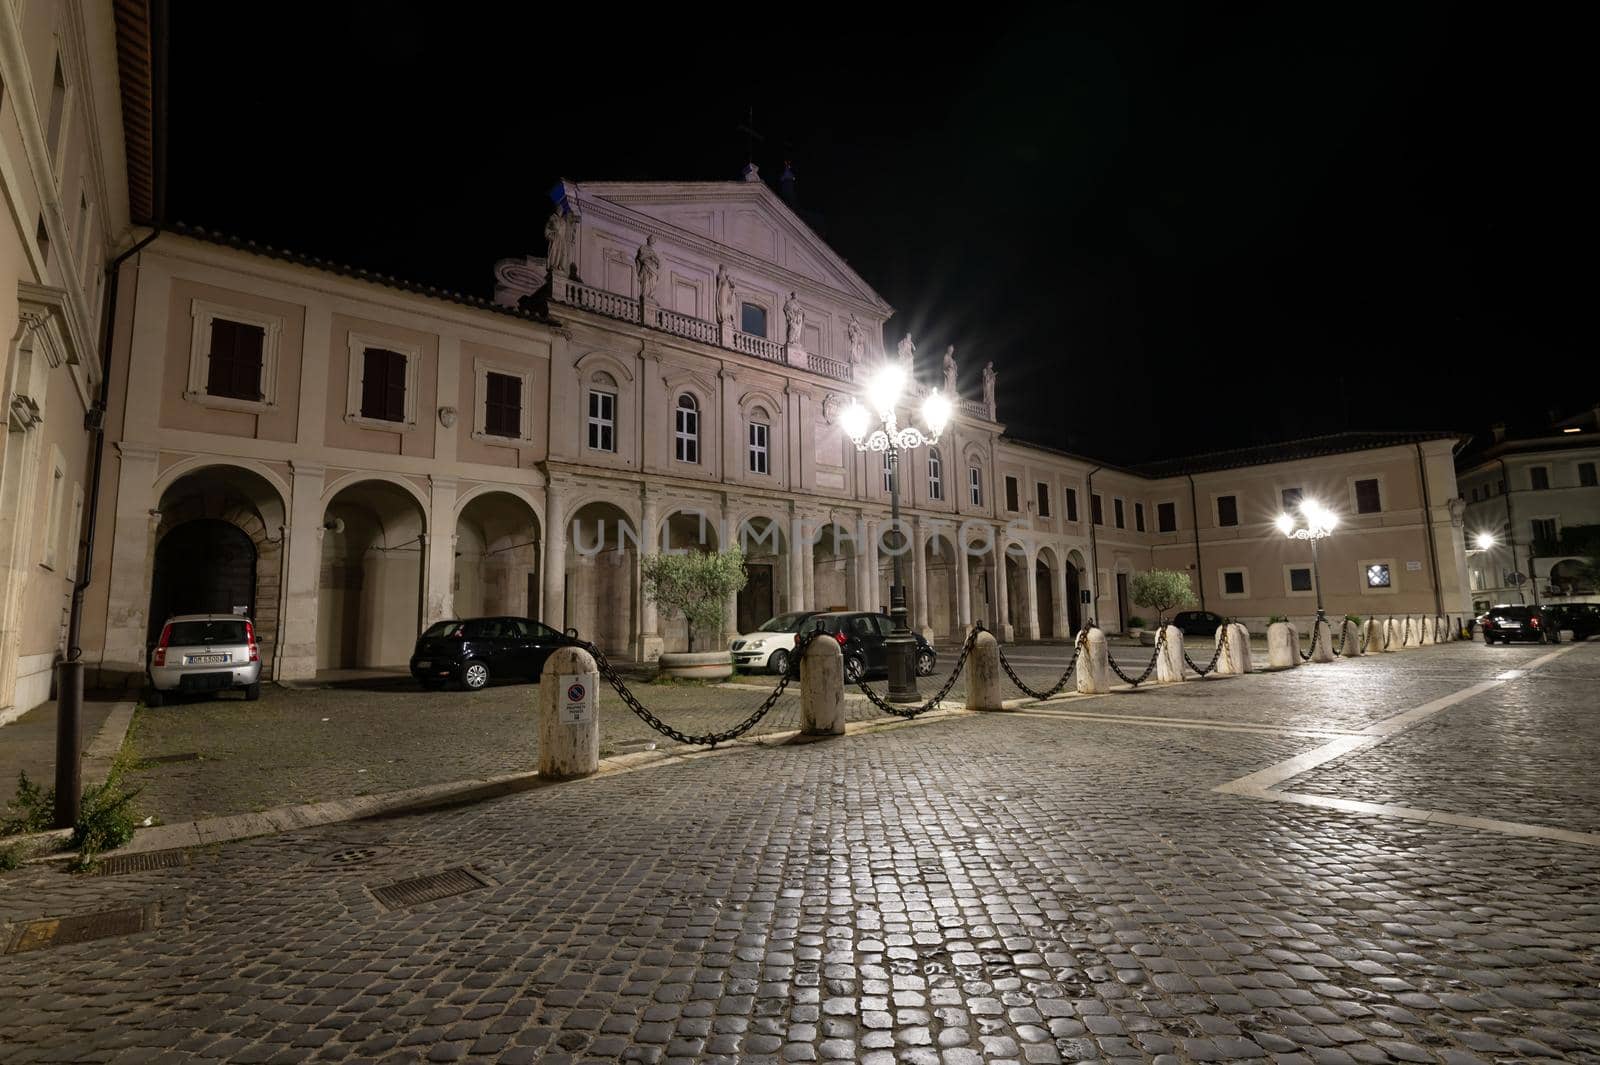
(369, 598)
(835, 555)
(602, 571)
(201, 574)
(763, 536)
(1570, 576)
(1075, 584)
(941, 568)
(977, 540)
(1046, 578)
(498, 552)
(604, 362)
(355, 477)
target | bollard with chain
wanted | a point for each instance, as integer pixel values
(1054, 689)
(983, 674)
(822, 689)
(1134, 682)
(909, 712)
(1169, 657)
(1351, 645)
(1094, 673)
(1283, 645)
(569, 714)
(1321, 640)
(1371, 635)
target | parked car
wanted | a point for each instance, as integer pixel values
(863, 637)
(472, 651)
(204, 653)
(1502, 624)
(1197, 622)
(770, 645)
(1583, 619)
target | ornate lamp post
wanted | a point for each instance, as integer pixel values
(883, 394)
(1316, 523)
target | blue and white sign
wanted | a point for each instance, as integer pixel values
(578, 698)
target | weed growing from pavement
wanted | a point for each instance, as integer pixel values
(106, 818)
(33, 809)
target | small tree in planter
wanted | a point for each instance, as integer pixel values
(1161, 590)
(696, 585)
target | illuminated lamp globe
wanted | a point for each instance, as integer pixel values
(936, 412)
(854, 419)
(883, 391)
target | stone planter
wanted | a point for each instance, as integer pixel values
(1147, 637)
(696, 665)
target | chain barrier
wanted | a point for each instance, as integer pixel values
(1366, 638)
(1215, 655)
(1388, 628)
(909, 712)
(1305, 656)
(709, 739)
(1161, 642)
(1059, 684)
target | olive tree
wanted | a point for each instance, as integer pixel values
(695, 584)
(1162, 590)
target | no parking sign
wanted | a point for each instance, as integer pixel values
(578, 698)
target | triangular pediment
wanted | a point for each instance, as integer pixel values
(744, 215)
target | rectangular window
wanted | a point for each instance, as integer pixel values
(1011, 494)
(686, 431)
(1043, 492)
(58, 110)
(1072, 504)
(935, 476)
(758, 447)
(1368, 498)
(1227, 510)
(753, 319)
(1166, 517)
(1544, 536)
(1138, 517)
(502, 405)
(1116, 513)
(383, 385)
(602, 420)
(975, 485)
(1096, 513)
(1233, 582)
(1291, 499)
(1300, 579)
(234, 369)
(1378, 575)
(1586, 475)
(1540, 476)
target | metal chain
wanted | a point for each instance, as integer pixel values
(1365, 638)
(1388, 627)
(909, 712)
(1305, 656)
(1216, 654)
(709, 739)
(1061, 683)
(1338, 648)
(1161, 641)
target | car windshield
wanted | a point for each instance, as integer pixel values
(443, 628)
(1514, 612)
(185, 633)
(784, 623)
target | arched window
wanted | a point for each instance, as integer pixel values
(760, 438)
(686, 430)
(935, 475)
(602, 422)
(975, 484)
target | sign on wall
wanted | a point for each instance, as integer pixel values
(578, 698)
(1413, 566)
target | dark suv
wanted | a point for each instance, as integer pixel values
(470, 651)
(1502, 624)
(1581, 619)
(1197, 622)
(863, 638)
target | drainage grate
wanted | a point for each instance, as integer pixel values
(429, 888)
(187, 756)
(139, 863)
(355, 855)
(50, 932)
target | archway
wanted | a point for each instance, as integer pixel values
(1018, 578)
(833, 568)
(1044, 571)
(1571, 577)
(602, 564)
(1074, 592)
(766, 568)
(939, 562)
(687, 530)
(981, 588)
(892, 541)
(369, 601)
(497, 557)
(219, 550)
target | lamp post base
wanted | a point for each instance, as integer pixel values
(901, 648)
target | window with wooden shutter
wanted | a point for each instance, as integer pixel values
(383, 385)
(234, 370)
(503, 405)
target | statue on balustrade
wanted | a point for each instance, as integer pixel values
(988, 387)
(727, 297)
(857, 338)
(950, 370)
(559, 234)
(648, 263)
(795, 316)
(908, 356)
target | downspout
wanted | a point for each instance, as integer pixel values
(1511, 540)
(1094, 553)
(1194, 517)
(1427, 524)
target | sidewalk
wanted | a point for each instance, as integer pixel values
(28, 744)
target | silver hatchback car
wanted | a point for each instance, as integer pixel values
(205, 653)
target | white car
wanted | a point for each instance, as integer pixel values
(770, 646)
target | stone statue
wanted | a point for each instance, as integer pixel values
(558, 234)
(857, 337)
(648, 263)
(950, 371)
(988, 386)
(727, 296)
(795, 316)
(908, 356)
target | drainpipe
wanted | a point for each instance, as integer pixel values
(1427, 524)
(1199, 570)
(1511, 541)
(1094, 553)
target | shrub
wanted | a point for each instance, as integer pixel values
(1162, 590)
(1274, 619)
(33, 809)
(105, 821)
(1353, 617)
(695, 584)
(1136, 622)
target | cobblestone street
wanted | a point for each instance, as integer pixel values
(1061, 884)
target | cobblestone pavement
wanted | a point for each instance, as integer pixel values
(981, 888)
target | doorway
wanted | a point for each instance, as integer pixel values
(1074, 611)
(756, 605)
(1122, 602)
(206, 566)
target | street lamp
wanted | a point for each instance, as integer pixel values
(882, 396)
(1318, 524)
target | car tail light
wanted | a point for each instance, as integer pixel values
(1533, 622)
(250, 639)
(841, 637)
(160, 658)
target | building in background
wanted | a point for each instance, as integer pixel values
(1533, 494)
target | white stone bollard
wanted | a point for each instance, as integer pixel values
(1240, 648)
(1425, 635)
(1283, 646)
(1352, 640)
(1235, 657)
(1169, 660)
(1094, 667)
(1372, 632)
(822, 688)
(569, 714)
(983, 673)
(1321, 642)
(1394, 635)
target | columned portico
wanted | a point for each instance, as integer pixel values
(872, 530)
(297, 642)
(799, 562)
(131, 548)
(919, 569)
(1002, 619)
(439, 575)
(649, 642)
(555, 556)
(1030, 620)
(963, 585)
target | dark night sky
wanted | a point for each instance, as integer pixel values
(1173, 228)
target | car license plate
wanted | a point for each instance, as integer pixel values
(1511, 624)
(424, 665)
(206, 660)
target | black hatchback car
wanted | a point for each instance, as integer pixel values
(472, 651)
(864, 639)
(1503, 624)
(1197, 622)
(1581, 619)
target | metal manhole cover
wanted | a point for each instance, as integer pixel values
(139, 863)
(430, 888)
(50, 932)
